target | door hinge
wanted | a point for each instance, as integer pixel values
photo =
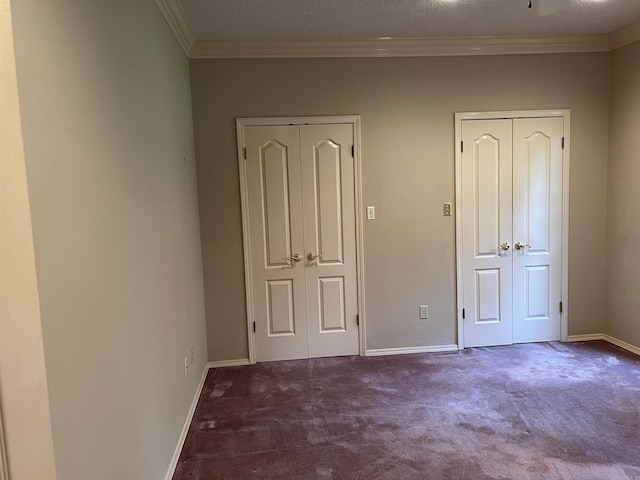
(244, 152)
(563, 143)
(461, 147)
(358, 320)
(560, 307)
(254, 327)
(353, 151)
(463, 314)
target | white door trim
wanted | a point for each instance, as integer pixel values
(565, 114)
(353, 120)
(4, 470)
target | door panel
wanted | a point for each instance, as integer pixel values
(536, 289)
(488, 295)
(332, 304)
(487, 158)
(280, 318)
(274, 176)
(276, 225)
(534, 166)
(537, 209)
(329, 233)
(327, 166)
(487, 219)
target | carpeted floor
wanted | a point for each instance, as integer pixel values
(537, 411)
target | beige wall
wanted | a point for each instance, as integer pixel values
(104, 96)
(407, 107)
(623, 227)
(24, 398)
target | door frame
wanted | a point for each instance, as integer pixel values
(353, 120)
(4, 469)
(565, 114)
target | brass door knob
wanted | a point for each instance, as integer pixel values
(311, 256)
(297, 257)
(520, 246)
(505, 246)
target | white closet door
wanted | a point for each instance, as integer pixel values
(276, 229)
(487, 231)
(537, 229)
(301, 188)
(329, 238)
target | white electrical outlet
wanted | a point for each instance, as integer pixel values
(424, 311)
(446, 209)
(186, 366)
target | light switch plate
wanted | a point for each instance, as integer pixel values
(424, 311)
(371, 213)
(446, 209)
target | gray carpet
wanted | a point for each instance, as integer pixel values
(537, 411)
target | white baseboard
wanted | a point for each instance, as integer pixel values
(229, 363)
(585, 338)
(608, 338)
(192, 410)
(404, 350)
(621, 344)
(185, 428)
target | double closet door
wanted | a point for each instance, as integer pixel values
(511, 190)
(301, 209)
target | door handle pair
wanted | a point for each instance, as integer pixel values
(297, 257)
(519, 246)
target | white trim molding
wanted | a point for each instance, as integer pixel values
(398, 47)
(624, 36)
(390, 46)
(186, 426)
(619, 343)
(376, 352)
(607, 338)
(4, 469)
(229, 363)
(585, 338)
(174, 15)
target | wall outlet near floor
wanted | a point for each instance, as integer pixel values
(424, 311)
(186, 366)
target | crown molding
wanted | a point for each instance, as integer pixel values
(174, 15)
(398, 47)
(624, 36)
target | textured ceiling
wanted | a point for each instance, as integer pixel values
(351, 19)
